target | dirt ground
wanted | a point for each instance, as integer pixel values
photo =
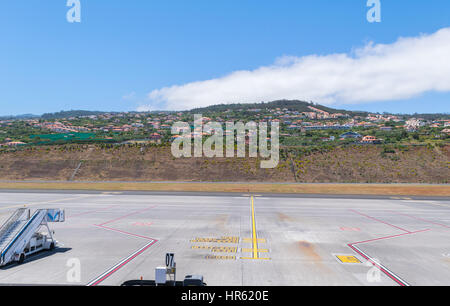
(354, 164)
(344, 189)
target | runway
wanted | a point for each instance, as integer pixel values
(238, 239)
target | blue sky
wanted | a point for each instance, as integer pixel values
(124, 50)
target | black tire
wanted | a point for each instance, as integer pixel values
(21, 258)
(52, 246)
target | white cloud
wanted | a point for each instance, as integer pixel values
(145, 108)
(376, 72)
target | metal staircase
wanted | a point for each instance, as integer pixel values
(12, 227)
(20, 230)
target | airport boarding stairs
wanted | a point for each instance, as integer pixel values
(20, 236)
(12, 227)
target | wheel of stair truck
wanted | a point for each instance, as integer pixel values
(52, 246)
(21, 258)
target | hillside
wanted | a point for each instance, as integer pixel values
(350, 164)
(71, 113)
(292, 105)
(300, 106)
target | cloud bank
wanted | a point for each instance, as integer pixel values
(377, 72)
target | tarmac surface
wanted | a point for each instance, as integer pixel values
(238, 239)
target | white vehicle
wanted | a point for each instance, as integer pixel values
(22, 234)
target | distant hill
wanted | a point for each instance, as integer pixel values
(71, 113)
(430, 116)
(302, 106)
(18, 117)
(292, 105)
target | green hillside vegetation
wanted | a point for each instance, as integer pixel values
(71, 113)
(292, 105)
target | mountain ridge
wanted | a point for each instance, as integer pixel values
(292, 105)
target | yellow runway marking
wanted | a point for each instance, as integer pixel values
(250, 240)
(251, 258)
(234, 240)
(348, 259)
(217, 240)
(220, 257)
(255, 242)
(251, 250)
(216, 249)
(201, 247)
(254, 239)
(224, 249)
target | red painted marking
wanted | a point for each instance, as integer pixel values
(127, 233)
(131, 214)
(351, 245)
(378, 266)
(123, 264)
(378, 220)
(388, 237)
(351, 229)
(90, 212)
(143, 224)
(123, 232)
(423, 220)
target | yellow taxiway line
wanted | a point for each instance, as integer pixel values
(255, 240)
